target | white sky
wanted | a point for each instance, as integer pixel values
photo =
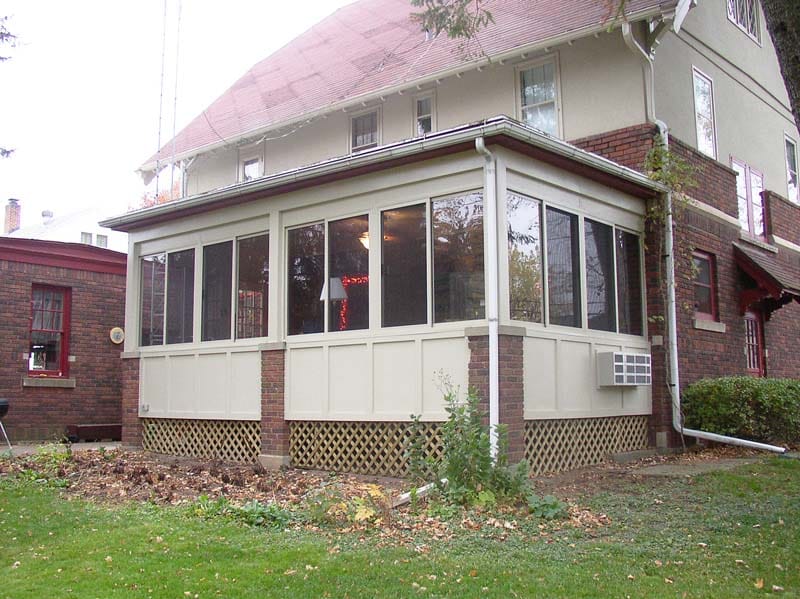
(79, 101)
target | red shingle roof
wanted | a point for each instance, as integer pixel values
(370, 46)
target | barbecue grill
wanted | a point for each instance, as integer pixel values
(3, 412)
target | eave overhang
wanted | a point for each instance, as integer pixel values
(776, 283)
(501, 131)
(57, 254)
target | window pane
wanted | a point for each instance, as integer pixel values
(424, 125)
(741, 194)
(563, 275)
(47, 335)
(629, 283)
(45, 351)
(599, 248)
(458, 289)
(524, 257)
(365, 131)
(180, 296)
(306, 274)
(756, 187)
(423, 107)
(86, 238)
(703, 270)
(791, 170)
(217, 270)
(538, 95)
(404, 269)
(251, 169)
(702, 299)
(152, 293)
(703, 287)
(102, 241)
(253, 287)
(348, 268)
(704, 114)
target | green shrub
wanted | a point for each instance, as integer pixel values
(748, 407)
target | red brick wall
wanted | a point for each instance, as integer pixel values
(628, 147)
(274, 428)
(131, 425)
(783, 217)
(98, 304)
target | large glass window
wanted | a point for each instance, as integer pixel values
(749, 185)
(629, 283)
(704, 114)
(538, 98)
(49, 335)
(600, 300)
(563, 269)
(404, 269)
(364, 131)
(524, 257)
(306, 275)
(154, 271)
(180, 296)
(253, 287)
(457, 230)
(217, 274)
(348, 272)
(791, 170)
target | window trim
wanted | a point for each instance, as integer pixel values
(698, 73)
(789, 139)
(378, 129)
(740, 27)
(551, 57)
(414, 124)
(712, 316)
(756, 317)
(66, 318)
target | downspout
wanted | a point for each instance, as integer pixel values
(492, 301)
(672, 334)
(646, 59)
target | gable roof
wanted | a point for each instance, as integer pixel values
(75, 256)
(373, 47)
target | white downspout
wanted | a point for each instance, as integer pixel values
(647, 71)
(492, 299)
(672, 333)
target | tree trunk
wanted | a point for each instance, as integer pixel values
(783, 24)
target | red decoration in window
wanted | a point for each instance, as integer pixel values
(347, 281)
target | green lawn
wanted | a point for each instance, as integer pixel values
(719, 535)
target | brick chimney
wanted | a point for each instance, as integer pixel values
(12, 216)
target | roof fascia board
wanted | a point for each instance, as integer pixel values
(393, 89)
(444, 142)
(73, 260)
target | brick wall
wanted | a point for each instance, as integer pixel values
(274, 428)
(628, 146)
(98, 304)
(131, 425)
(783, 217)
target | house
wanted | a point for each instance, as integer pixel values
(59, 361)
(372, 206)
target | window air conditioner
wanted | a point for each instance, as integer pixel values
(622, 369)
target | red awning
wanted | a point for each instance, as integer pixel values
(777, 281)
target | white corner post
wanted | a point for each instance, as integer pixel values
(492, 297)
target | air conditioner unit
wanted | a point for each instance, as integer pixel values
(623, 369)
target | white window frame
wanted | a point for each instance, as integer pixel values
(734, 17)
(247, 155)
(788, 139)
(415, 124)
(378, 126)
(700, 74)
(553, 58)
(86, 237)
(101, 240)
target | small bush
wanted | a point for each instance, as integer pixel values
(252, 513)
(765, 410)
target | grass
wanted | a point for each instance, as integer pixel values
(726, 534)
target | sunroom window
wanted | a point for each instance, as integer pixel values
(404, 267)
(348, 274)
(524, 217)
(180, 296)
(600, 300)
(217, 270)
(306, 276)
(563, 268)
(253, 287)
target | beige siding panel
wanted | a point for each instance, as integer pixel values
(476, 96)
(540, 374)
(152, 386)
(244, 386)
(313, 142)
(306, 382)
(350, 381)
(442, 357)
(398, 118)
(396, 378)
(213, 171)
(575, 376)
(213, 376)
(182, 386)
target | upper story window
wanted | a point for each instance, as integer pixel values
(102, 241)
(705, 286)
(538, 96)
(423, 115)
(749, 185)
(364, 132)
(49, 335)
(250, 169)
(744, 13)
(704, 113)
(86, 238)
(791, 170)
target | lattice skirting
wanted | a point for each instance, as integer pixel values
(558, 445)
(378, 448)
(227, 440)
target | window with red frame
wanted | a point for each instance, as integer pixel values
(749, 185)
(49, 340)
(705, 286)
(754, 343)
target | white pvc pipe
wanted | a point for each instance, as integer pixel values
(492, 299)
(672, 331)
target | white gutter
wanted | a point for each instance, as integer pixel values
(672, 332)
(492, 299)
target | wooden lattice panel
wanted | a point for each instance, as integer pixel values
(378, 448)
(558, 445)
(227, 440)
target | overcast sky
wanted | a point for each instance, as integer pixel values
(79, 101)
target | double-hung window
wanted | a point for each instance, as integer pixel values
(538, 96)
(364, 132)
(48, 353)
(791, 169)
(250, 169)
(704, 113)
(705, 286)
(423, 115)
(749, 185)
(744, 14)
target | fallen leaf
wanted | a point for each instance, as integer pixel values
(759, 584)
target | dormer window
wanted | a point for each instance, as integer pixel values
(423, 115)
(364, 131)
